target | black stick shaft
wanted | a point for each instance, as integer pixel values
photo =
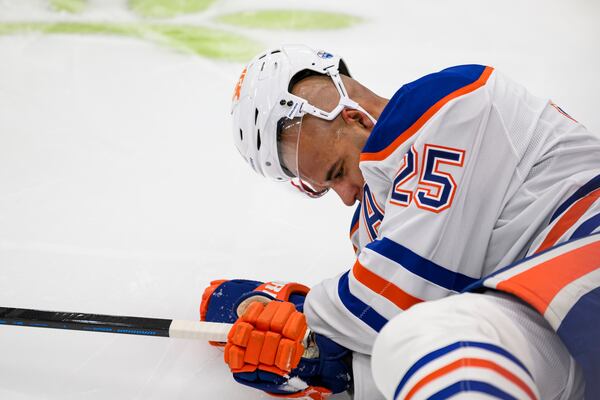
(85, 322)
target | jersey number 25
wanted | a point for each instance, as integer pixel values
(435, 190)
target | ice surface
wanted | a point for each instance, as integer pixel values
(121, 191)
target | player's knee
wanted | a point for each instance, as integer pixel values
(439, 338)
(401, 338)
(451, 318)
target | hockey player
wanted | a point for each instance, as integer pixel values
(459, 174)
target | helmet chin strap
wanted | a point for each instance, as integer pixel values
(355, 106)
(302, 106)
(345, 100)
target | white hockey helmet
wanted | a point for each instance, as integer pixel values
(262, 105)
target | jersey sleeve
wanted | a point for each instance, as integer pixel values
(434, 187)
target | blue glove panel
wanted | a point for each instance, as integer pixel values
(261, 380)
(332, 369)
(224, 299)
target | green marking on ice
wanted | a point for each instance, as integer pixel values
(168, 8)
(70, 6)
(209, 42)
(15, 27)
(206, 42)
(290, 19)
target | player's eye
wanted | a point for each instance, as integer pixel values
(340, 173)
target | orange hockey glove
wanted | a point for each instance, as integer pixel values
(269, 346)
(266, 337)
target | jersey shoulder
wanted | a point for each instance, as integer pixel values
(416, 102)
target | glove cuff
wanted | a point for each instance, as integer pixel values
(282, 290)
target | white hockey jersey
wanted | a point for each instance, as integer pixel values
(462, 171)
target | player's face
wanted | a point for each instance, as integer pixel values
(330, 159)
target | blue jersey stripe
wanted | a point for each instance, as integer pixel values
(471, 386)
(357, 307)
(587, 227)
(581, 192)
(426, 359)
(579, 331)
(421, 266)
(412, 100)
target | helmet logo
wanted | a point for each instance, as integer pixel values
(238, 86)
(324, 54)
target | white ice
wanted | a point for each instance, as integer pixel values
(121, 191)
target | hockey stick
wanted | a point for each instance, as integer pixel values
(202, 330)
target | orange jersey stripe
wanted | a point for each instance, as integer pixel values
(541, 283)
(385, 288)
(404, 136)
(471, 362)
(568, 219)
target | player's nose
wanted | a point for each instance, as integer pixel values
(346, 192)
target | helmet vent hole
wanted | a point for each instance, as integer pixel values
(241, 135)
(258, 139)
(268, 164)
(255, 115)
(275, 51)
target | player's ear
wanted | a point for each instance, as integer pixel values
(350, 115)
